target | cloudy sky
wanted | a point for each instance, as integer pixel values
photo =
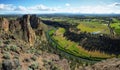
(59, 6)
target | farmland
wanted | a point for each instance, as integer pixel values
(94, 26)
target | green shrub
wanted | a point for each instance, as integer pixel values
(7, 48)
(13, 48)
(16, 63)
(7, 42)
(30, 68)
(31, 50)
(6, 55)
(38, 52)
(50, 65)
(55, 67)
(34, 66)
(16, 56)
(34, 58)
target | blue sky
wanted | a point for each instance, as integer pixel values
(59, 6)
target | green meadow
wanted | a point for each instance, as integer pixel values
(93, 27)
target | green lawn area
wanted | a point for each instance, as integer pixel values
(93, 27)
(75, 49)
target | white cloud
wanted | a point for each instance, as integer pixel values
(41, 8)
(114, 4)
(99, 9)
(21, 8)
(7, 7)
(67, 4)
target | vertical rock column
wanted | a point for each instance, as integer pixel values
(28, 32)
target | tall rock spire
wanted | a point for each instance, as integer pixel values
(28, 32)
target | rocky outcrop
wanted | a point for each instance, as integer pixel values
(4, 24)
(109, 64)
(16, 28)
(25, 28)
(35, 21)
(22, 29)
(29, 34)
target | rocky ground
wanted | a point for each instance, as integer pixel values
(14, 56)
(23, 46)
(109, 64)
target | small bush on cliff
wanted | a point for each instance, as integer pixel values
(38, 52)
(51, 65)
(16, 56)
(16, 64)
(7, 48)
(7, 42)
(31, 50)
(55, 67)
(6, 55)
(34, 58)
(34, 66)
(14, 48)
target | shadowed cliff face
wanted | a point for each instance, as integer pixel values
(22, 28)
(35, 21)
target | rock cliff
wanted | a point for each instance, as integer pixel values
(4, 24)
(24, 28)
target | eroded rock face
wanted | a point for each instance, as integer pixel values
(4, 24)
(21, 28)
(34, 21)
(28, 32)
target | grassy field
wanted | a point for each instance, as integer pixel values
(116, 27)
(73, 48)
(93, 27)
